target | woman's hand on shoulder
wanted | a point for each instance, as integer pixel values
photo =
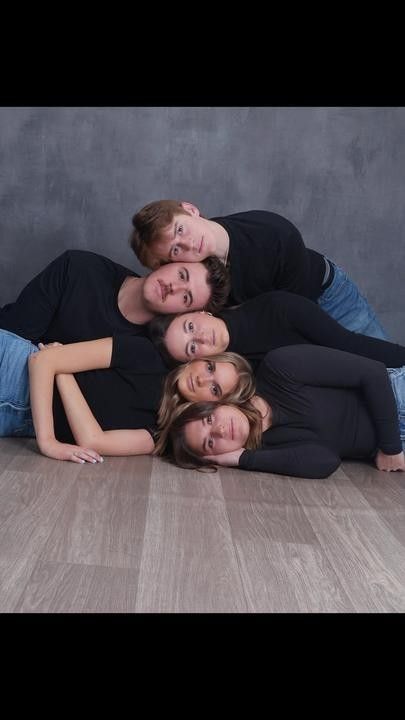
(64, 451)
(229, 459)
(389, 463)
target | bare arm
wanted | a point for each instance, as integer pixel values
(43, 366)
(87, 431)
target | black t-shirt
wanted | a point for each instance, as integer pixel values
(279, 318)
(327, 405)
(74, 298)
(267, 252)
(125, 396)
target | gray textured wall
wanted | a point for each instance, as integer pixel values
(73, 177)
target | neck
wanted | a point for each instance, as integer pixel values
(131, 302)
(222, 241)
(265, 411)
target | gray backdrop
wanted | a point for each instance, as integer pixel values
(73, 178)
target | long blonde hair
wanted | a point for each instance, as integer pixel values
(172, 401)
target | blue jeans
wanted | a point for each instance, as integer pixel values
(397, 377)
(15, 411)
(343, 301)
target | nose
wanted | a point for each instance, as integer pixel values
(177, 286)
(220, 430)
(202, 382)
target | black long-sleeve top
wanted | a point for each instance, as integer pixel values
(327, 405)
(276, 319)
(267, 252)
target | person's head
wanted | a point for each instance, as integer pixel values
(199, 430)
(171, 231)
(224, 377)
(176, 287)
(189, 336)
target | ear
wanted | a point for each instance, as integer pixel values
(192, 209)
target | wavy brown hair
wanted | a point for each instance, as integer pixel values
(175, 445)
(172, 399)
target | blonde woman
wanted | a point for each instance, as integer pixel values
(226, 376)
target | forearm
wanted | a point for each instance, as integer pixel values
(307, 460)
(41, 379)
(88, 432)
(45, 365)
(83, 424)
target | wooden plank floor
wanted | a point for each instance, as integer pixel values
(139, 535)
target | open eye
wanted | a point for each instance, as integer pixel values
(210, 443)
(182, 275)
(174, 251)
(180, 230)
(215, 390)
(193, 348)
(190, 326)
(209, 419)
(210, 367)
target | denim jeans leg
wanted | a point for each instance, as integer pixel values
(397, 378)
(15, 410)
(343, 301)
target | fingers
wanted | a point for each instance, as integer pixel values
(41, 345)
(83, 455)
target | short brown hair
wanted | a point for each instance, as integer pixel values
(148, 223)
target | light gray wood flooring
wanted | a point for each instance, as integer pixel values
(137, 535)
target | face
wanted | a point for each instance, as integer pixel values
(207, 380)
(192, 335)
(188, 238)
(177, 287)
(226, 429)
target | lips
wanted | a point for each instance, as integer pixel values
(213, 338)
(163, 290)
(201, 244)
(232, 433)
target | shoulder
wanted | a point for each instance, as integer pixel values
(88, 259)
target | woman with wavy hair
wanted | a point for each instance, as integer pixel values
(314, 407)
(223, 377)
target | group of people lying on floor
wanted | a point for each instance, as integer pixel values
(242, 347)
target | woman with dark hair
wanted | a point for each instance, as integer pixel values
(314, 407)
(272, 320)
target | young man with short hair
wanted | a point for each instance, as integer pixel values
(264, 251)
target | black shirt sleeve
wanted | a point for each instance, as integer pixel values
(313, 323)
(32, 313)
(309, 460)
(325, 367)
(136, 355)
